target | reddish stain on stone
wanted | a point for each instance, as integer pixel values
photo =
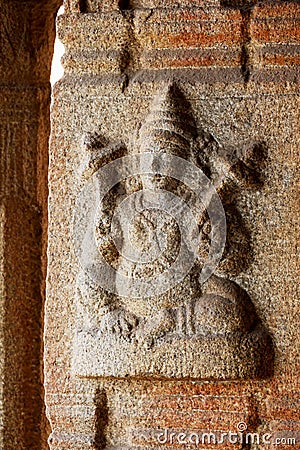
(279, 32)
(281, 60)
(283, 10)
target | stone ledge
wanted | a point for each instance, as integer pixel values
(230, 356)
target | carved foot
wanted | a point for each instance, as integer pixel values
(224, 308)
(153, 328)
(119, 323)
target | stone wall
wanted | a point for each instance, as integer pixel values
(175, 125)
(26, 46)
(217, 85)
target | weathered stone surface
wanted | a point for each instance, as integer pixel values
(242, 103)
(209, 331)
(26, 45)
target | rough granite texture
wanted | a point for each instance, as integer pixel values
(233, 66)
(27, 35)
(159, 309)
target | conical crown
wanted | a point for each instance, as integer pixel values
(170, 126)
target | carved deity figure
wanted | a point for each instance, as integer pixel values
(190, 311)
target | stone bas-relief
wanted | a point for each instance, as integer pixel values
(193, 329)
